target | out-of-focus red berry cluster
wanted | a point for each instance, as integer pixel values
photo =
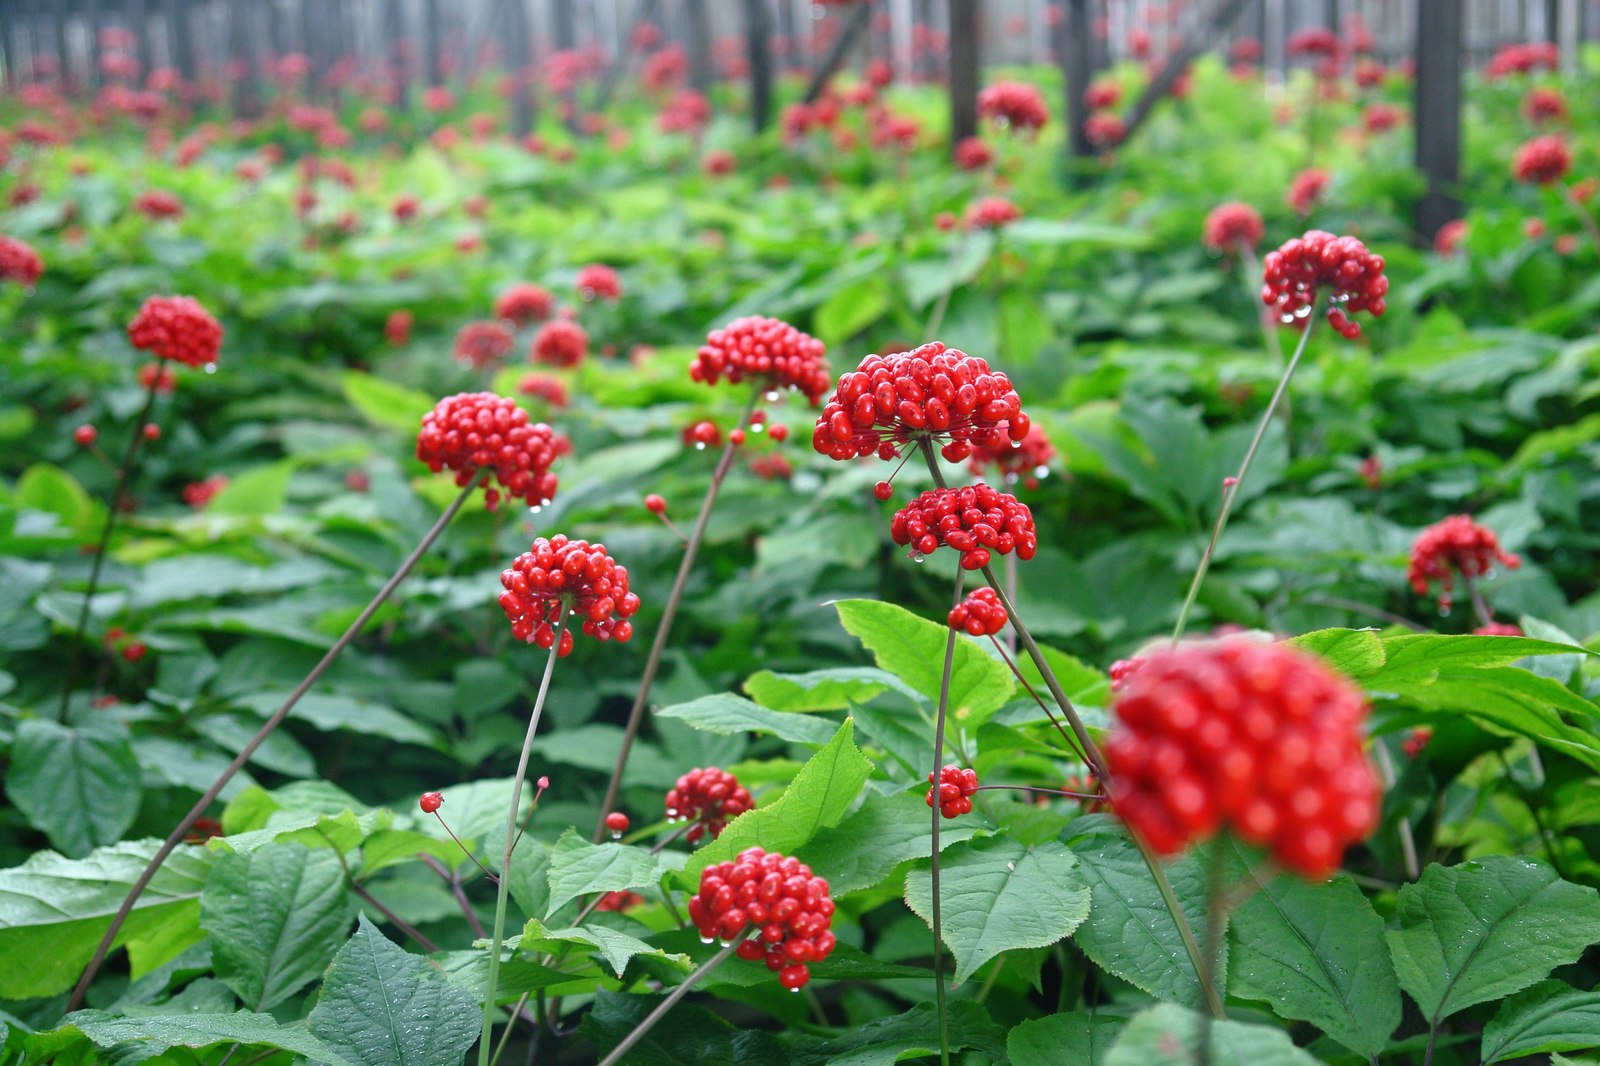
(763, 350)
(1455, 544)
(710, 798)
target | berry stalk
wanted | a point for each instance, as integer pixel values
(668, 614)
(205, 801)
(1097, 764)
(503, 894)
(124, 476)
(938, 816)
(1231, 488)
(671, 1001)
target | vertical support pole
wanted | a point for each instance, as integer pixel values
(139, 26)
(180, 38)
(9, 49)
(397, 54)
(92, 23)
(246, 99)
(699, 45)
(430, 43)
(1438, 114)
(58, 23)
(758, 49)
(516, 13)
(1074, 46)
(963, 69)
(566, 28)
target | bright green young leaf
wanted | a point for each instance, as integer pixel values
(816, 799)
(1550, 1016)
(43, 487)
(54, 910)
(833, 689)
(276, 915)
(382, 1006)
(153, 1034)
(912, 648)
(383, 403)
(1419, 656)
(579, 868)
(726, 714)
(851, 310)
(1316, 952)
(1170, 1035)
(1484, 930)
(615, 947)
(999, 895)
(79, 785)
(878, 836)
(260, 490)
(1356, 653)
(1080, 1038)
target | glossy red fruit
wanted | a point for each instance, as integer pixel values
(655, 504)
(85, 435)
(559, 580)
(954, 790)
(430, 802)
(617, 822)
(788, 910)
(473, 431)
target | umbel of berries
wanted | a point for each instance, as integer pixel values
(709, 798)
(1320, 266)
(954, 789)
(764, 350)
(1261, 739)
(975, 521)
(980, 614)
(474, 431)
(789, 910)
(176, 328)
(1455, 545)
(932, 392)
(558, 578)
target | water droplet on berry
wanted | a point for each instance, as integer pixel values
(1041, 471)
(708, 940)
(535, 510)
(1286, 318)
(1302, 312)
(700, 446)
(917, 557)
(615, 835)
(211, 368)
(773, 396)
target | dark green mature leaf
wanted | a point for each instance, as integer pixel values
(382, 1006)
(910, 1035)
(1486, 929)
(1080, 1038)
(331, 713)
(1170, 1035)
(579, 868)
(882, 833)
(276, 916)
(1129, 930)
(79, 785)
(1316, 953)
(1550, 1016)
(152, 1034)
(912, 648)
(999, 895)
(819, 796)
(54, 910)
(693, 1037)
(726, 714)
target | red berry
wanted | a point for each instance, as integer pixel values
(176, 328)
(476, 430)
(617, 822)
(1542, 161)
(883, 490)
(974, 521)
(1017, 105)
(560, 343)
(152, 431)
(134, 651)
(778, 432)
(1455, 544)
(85, 435)
(764, 350)
(655, 504)
(430, 802)
(598, 281)
(954, 790)
(789, 910)
(19, 262)
(736, 436)
(980, 614)
(710, 798)
(560, 579)
(1232, 226)
(1320, 266)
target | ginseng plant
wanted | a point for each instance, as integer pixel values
(482, 438)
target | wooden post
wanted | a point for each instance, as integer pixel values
(758, 49)
(1438, 114)
(566, 28)
(1222, 16)
(699, 45)
(10, 50)
(860, 15)
(1074, 47)
(246, 98)
(430, 43)
(963, 70)
(92, 22)
(398, 54)
(58, 22)
(180, 38)
(516, 17)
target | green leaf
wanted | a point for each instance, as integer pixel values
(817, 798)
(1550, 1016)
(912, 1034)
(153, 1034)
(51, 489)
(1080, 1038)
(1129, 930)
(383, 403)
(1000, 895)
(912, 648)
(382, 1006)
(1170, 1035)
(1486, 929)
(579, 868)
(276, 916)
(615, 947)
(1356, 653)
(54, 910)
(834, 689)
(79, 785)
(878, 836)
(851, 310)
(261, 490)
(1421, 656)
(1316, 953)
(726, 714)
(330, 713)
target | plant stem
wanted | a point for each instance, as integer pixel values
(455, 889)
(1216, 916)
(1231, 492)
(1480, 606)
(667, 1004)
(205, 801)
(1408, 840)
(503, 895)
(938, 816)
(124, 476)
(936, 319)
(1097, 764)
(668, 614)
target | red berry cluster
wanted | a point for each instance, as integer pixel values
(176, 328)
(157, 204)
(1306, 189)
(1262, 738)
(765, 350)
(524, 304)
(1122, 670)
(790, 909)
(1351, 277)
(1455, 544)
(1232, 226)
(1104, 129)
(560, 342)
(483, 345)
(1542, 161)
(1543, 104)
(599, 282)
(1522, 59)
(1498, 629)
(1026, 460)
(972, 153)
(543, 387)
(560, 576)
(955, 788)
(974, 521)
(710, 798)
(890, 400)
(991, 212)
(397, 327)
(980, 614)
(473, 431)
(1018, 105)
(19, 262)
